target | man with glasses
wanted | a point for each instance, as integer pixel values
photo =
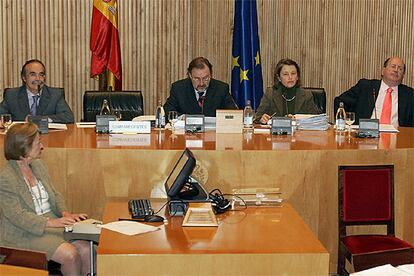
(199, 93)
(387, 99)
(35, 98)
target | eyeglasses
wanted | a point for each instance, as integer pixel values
(202, 80)
(400, 68)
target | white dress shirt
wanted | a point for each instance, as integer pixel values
(380, 101)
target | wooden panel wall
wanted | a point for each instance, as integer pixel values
(335, 42)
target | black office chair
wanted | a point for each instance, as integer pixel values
(130, 103)
(319, 97)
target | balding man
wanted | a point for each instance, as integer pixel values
(35, 98)
(387, 99)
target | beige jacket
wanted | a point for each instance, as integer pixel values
(18, 219)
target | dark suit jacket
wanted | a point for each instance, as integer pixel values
(361, 100)
(52, 104)
(19, 223)
(273, 102)
(183, 100)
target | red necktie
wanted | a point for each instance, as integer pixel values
(200, 99)
(386, 108)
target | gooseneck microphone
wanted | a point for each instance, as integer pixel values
(375, 106)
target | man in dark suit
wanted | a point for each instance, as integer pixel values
(35, 98)
(199, 93)
(368, 98)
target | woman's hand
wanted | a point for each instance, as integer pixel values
(75, 217)
(67, 219)
(60, 222)
(265, 118)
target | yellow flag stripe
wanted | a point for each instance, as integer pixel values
(109, 10)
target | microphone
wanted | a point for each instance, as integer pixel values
(375, 106)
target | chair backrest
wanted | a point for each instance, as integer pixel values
(25, 258)
(366, 196)
(319, 97)
(130, 103)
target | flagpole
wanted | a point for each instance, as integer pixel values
(103, 81)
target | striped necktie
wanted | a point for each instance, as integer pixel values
(33, 108)
(201, 99)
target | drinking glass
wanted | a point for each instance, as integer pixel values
(349, 120)
(6, 120)
(172, 117)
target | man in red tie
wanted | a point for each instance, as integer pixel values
(200, 93)
(387, 99)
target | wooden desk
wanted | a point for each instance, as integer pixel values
(256, 241)
(91, 169)
(6, 270)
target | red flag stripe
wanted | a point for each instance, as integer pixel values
(104, 45)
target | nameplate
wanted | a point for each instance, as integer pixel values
(229, 121)
(368, 128)
(194, 123)
(281, 126)
(42, 123)
(129, 127)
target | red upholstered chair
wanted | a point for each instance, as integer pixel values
(366, 197)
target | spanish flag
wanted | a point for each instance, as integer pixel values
(106, 52)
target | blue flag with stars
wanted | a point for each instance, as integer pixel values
(246, 73)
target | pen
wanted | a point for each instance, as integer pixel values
(272, 115)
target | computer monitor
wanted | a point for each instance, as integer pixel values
(180, 174)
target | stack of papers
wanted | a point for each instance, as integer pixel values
(387, 270)
(210, 122)
(312, 122)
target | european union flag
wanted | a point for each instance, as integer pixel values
(246, 73)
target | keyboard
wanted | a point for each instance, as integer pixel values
(140, 208)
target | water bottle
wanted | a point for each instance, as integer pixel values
(248, 115)
(340, 118)
(105, 108)
(159, 116)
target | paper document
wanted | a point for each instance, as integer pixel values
(384, 270)
(210, 122)
(144, 118)
(262, 130)
(129, 227)
(58, 126)
(85, 124)
(312, 121)
(387, 128)
(409, 268)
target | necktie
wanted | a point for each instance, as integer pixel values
(200, 99)
(386, 108)
(33, 108)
